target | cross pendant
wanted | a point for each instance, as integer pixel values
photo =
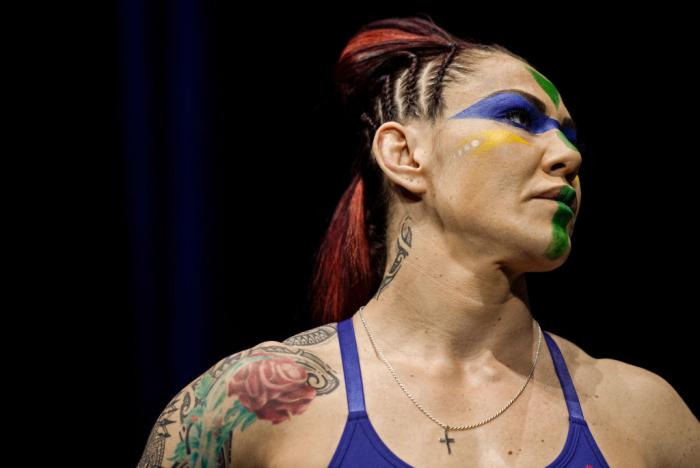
(447, 441)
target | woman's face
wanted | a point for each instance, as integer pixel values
(496, 151)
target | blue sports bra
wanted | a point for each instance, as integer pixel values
(360, 445)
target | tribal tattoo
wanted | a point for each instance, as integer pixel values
(313, 336)
(405, 238)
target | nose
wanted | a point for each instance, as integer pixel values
(562, 158)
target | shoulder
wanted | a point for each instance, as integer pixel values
(656, 411)
(243, 393)
(642, 402)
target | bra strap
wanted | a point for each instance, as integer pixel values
(351, 366)
(572, 401)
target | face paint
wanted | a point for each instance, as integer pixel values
(488, 139)
(501, 106)
(560, 222)
(546, 85)
(549, 88)
(566, 141)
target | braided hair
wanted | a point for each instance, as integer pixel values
(378, 79)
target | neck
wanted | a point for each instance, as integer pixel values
(453, 318)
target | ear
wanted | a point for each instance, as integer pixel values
(400, 151)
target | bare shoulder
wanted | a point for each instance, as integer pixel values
(657, 412)
(220, 416)
(641, 402)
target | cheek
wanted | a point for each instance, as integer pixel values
(486, 172)
(477, 191)
(494, 155)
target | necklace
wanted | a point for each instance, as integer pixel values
(447, 427)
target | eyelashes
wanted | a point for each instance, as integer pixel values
(528, 119)
(524, 115)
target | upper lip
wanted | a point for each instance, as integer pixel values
(557, 193)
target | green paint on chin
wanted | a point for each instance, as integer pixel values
(546, 85)
(560, 237)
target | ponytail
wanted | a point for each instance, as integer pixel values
(344, 276)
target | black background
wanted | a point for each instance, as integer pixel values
(272, 174)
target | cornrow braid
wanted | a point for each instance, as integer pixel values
(369, 121)
(436, 99)
(409, 88)
(387, 100)
(388, 105)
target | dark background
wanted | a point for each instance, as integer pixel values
(203, 163)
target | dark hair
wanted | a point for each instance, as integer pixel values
(382, 55)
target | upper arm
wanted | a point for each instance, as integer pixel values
(198, 422)
(163, 447)
(667, 428)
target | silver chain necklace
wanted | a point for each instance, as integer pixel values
(447, 427)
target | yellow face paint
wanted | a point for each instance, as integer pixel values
(486, 140)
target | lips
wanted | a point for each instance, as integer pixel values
(562, 193)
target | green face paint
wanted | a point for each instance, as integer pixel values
(560, 221)
(560, 235)
(566, 140)
(546, 85)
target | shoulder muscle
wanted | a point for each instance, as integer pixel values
(665, 424)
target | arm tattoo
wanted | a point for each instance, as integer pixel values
(233, 393)
(401, 252)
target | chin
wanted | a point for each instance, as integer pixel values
(535, 261)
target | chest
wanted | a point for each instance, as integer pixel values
(531, 432)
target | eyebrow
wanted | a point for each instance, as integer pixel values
(567, 122)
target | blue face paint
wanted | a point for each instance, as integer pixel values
(503, 106)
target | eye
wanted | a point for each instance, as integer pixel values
(521, 115)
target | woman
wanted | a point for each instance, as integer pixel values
(466, 178)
